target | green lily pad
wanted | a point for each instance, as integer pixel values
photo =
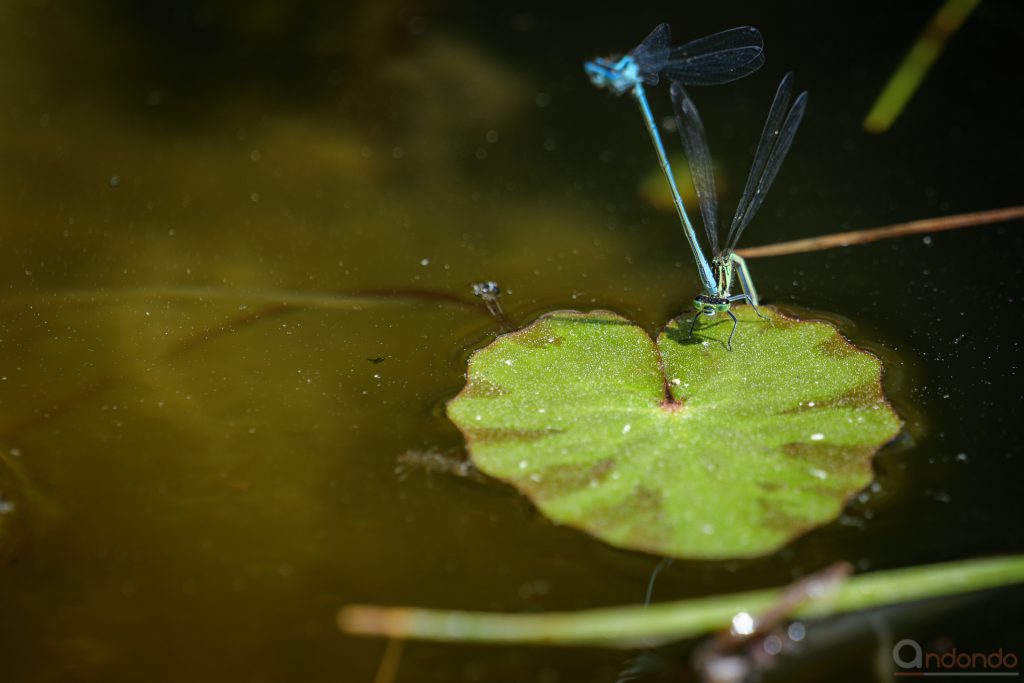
(681, 447)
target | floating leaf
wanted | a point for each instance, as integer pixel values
(680, 447)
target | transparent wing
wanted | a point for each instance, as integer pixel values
(652, 54)
(691, 129)
(772, 127)
(776, 139)
(718, 58)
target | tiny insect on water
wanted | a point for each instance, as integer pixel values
(719, 58)
(776, 139)
(489, 292)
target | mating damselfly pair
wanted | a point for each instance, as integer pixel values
(719, 58)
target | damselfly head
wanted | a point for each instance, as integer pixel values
(618, 74)
(598, 71)
(701, 307)
(711, 305)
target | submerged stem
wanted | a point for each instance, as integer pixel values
(343, 300)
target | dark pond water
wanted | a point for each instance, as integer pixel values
(195, 476)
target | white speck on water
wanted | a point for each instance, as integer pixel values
(927, 240)
(743, 624)
(508, 361)
(676, 381)
(424, 262)
(810, 404)
(817, 437)
(523, 464)
(820, 474)
(961, 457)
(376, 376)
(551, 340)
(625, 430)
(542, 410)
(707, 529)
(479, 417)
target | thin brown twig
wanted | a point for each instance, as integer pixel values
(854, 237)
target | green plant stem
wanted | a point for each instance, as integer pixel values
(634, 625)
(905, 81)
